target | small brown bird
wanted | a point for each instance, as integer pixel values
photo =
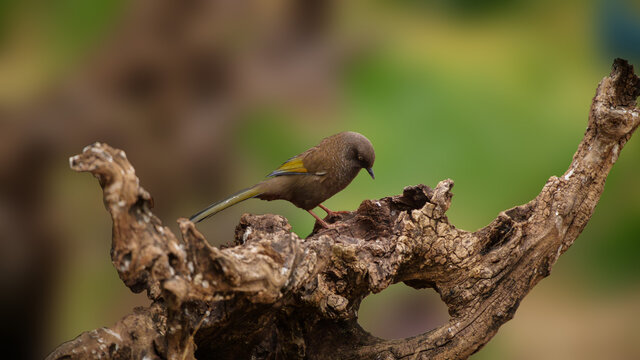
(310, 178)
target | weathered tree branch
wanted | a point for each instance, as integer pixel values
(275, 295)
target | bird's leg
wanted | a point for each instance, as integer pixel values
(332, 213)
(322, 222)
(325, 209)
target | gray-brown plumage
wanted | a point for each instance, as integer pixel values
(310, 178)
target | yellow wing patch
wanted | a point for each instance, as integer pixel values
(292, 166)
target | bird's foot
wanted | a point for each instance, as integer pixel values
(332, 213)
(326, 225)
(323, 223)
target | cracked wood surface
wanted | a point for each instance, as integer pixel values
(274, 295)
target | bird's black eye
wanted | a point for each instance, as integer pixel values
(360, 158)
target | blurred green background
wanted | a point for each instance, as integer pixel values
(208, 97)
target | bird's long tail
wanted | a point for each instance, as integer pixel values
(221, 205)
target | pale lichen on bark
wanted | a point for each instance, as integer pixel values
(275, 295)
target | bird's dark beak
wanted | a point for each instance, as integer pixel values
(370, 171)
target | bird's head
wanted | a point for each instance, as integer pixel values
(360, 153)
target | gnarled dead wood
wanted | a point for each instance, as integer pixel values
(275, 295)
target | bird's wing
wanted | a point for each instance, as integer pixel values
(293, 166)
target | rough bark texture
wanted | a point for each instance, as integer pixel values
(276, 296)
